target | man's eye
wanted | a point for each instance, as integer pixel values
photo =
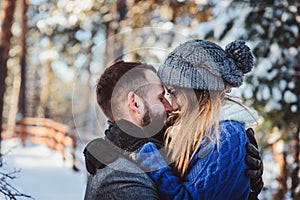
(161, 98)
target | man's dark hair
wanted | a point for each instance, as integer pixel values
(114, 76)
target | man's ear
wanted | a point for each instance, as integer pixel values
(134, 102)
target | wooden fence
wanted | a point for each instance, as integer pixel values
(56, 136)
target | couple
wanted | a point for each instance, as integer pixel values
(200, 151)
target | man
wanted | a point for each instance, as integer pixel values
(131, 95)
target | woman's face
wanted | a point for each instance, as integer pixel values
(181, 98)
(172, 97)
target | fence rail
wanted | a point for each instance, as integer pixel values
(55, 135)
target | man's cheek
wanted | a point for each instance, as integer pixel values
(158, 109)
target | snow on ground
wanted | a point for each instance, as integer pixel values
(44, 175)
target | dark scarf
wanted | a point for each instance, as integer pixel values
(130, 137)
(121, 139)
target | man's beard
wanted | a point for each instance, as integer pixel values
(146, 118)
(153, 122)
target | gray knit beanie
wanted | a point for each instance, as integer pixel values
(201, 64)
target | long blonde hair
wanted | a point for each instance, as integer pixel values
(197, 118)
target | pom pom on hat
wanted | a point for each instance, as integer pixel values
(201, 64)
(241, 54)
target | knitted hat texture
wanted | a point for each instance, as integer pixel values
(201, 64)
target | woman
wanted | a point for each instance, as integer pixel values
(208, 138)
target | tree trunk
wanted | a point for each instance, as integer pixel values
(88, 106)
(296, 141)
(280, 158)
(295, 169)
(32, 94)
(7, 16)
(13, 106)
(44, 95)
(114, 45)
(22, 97)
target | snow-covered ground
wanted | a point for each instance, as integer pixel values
(44, 175)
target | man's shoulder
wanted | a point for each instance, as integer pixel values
(120, 166)
(120, 170)
(121, 177)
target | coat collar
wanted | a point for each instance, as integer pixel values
(128, 136)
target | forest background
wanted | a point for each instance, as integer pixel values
(53, 51)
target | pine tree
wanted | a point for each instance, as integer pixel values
(275, 27)
(271, 28)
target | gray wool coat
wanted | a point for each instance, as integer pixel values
(121, 179)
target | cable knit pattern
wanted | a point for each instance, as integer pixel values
(215, 172)
(201, 64)
(241, 54)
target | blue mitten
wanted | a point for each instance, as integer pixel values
(150, 158)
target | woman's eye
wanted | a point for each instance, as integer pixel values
(172, 91)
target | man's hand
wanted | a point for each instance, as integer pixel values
(254, 161)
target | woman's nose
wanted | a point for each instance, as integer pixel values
(168, 106)
(175, 106)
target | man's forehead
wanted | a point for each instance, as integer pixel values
(152, 77)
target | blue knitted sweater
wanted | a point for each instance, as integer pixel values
(215, 172)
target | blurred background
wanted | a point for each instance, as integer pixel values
(53, 51)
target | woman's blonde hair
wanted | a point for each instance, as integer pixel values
(199, 112)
